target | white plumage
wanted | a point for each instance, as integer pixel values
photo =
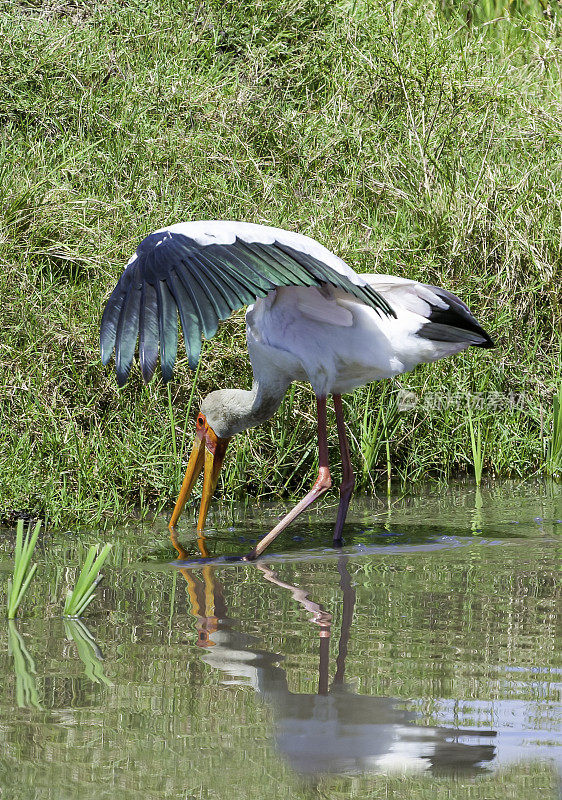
(336, 342)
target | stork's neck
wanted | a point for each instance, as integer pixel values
(229, 411)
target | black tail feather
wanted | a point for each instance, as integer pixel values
(454, 323)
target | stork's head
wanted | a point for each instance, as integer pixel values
(207, 454)
(223, 413)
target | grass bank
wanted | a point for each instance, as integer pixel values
(421, 139)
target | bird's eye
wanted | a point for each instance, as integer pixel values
(200, 421)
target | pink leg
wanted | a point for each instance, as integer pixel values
(348, 478)
(322, 484)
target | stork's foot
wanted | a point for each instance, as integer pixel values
(322, 484)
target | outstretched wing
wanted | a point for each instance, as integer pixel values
(204, 271)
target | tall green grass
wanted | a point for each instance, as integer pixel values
(478, 446)
(554, 453)
(24, 570)
(411, 138)
(378, 432)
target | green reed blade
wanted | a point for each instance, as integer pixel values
(15, 599)
(476, 444)
(23, 572)
(83, 593)
(554, 452)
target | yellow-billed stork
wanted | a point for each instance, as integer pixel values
(310, 317)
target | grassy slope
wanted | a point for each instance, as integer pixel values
(398, 137)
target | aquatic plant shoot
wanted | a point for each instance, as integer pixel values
(79, 598)
(23, 569)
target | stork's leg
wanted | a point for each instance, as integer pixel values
(348, 478)
(322, 484)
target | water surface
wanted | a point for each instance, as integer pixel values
(421, 660)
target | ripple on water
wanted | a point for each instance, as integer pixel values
(420, 646)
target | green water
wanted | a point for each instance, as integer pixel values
(420, 661)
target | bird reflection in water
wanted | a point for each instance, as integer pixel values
(334, 730)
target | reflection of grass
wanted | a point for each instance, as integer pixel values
(26, 689)
(23, 573)
(535, 781)
(477, 516)
(87, 649)
(82, 595)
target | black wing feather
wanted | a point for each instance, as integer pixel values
(149, 331)
(280, 274)
(172, 273)
(240, 269)
(168, 329)
(289, 266)
(109, 322)
(307, 273)
(189, 319)
(127, 333)
(237, 290)
(323, 273)
(208, 320)
(221, 297)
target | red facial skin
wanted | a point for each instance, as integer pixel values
(213, 443)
